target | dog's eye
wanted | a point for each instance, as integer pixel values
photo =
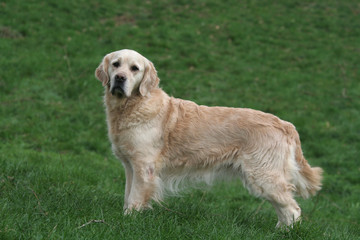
(116, 64)
(134, 68)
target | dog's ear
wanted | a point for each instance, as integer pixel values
(150, 79)
(101, 71)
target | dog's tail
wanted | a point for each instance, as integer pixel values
(306, 179)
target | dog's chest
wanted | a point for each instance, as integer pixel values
(143, 140)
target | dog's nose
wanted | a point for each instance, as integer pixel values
(120, 78)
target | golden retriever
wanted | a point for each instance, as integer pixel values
(163, 141)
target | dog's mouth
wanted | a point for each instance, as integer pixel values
(117, 91)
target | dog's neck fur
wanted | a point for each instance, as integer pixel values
(137, 109)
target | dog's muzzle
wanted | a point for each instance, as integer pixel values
(118, 87)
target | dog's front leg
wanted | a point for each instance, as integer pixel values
(129, 178)
(143, 187)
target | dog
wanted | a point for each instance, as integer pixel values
(164, 141)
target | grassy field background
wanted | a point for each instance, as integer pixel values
(58, 178)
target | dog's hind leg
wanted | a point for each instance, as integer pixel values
(279, 193)
(273, 187)
(287, 209)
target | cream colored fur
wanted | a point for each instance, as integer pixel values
(164, 141)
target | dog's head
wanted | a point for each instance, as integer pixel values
(126, 72)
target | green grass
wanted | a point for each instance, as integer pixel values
(299, 61)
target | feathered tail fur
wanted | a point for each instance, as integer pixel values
(307, 179)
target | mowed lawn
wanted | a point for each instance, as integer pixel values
(299, 60)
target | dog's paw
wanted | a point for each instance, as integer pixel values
(137, 207)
